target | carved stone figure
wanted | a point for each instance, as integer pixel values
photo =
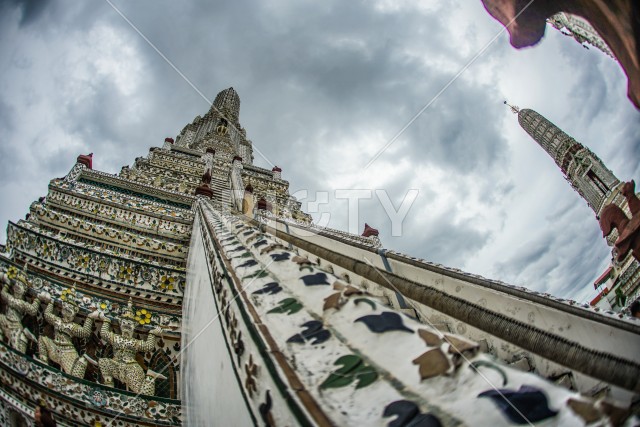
(123, 366)
(17, 308)
(60, 349)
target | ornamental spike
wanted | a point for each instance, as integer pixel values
(514, 109)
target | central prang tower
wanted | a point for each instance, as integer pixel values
(219, 129)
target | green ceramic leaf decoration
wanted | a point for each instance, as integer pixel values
(352, 369)
(341, 377)
(258, 274)
(366, 376)
(365, 300)
(288, 306)
(336, 380)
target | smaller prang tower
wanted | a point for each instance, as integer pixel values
(586, 173)
(589, 176)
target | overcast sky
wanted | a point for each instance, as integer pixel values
(324, 86)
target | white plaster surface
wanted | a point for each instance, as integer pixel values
(211, 396)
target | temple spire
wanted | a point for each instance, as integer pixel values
(586, 173)
(514, 109)
(228, 102)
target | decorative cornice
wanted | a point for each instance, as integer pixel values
(113, 268)
(150, 190)
(56, 224)
(90, 298)
(186, 151)
(111, 212)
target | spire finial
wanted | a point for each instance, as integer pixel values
(514, 109)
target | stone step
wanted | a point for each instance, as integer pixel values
(221, 190)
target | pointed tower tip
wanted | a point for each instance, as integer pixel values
(228, 103)
(514, 109)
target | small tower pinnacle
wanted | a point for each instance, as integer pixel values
(514, 109)
(228, 102)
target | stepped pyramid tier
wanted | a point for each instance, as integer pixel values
(192, 289)
(599, 187)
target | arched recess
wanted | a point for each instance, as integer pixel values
(16, 419)
(162, 363)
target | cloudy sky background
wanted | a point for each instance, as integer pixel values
(325, 85)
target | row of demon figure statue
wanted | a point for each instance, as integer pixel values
(61, 350)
